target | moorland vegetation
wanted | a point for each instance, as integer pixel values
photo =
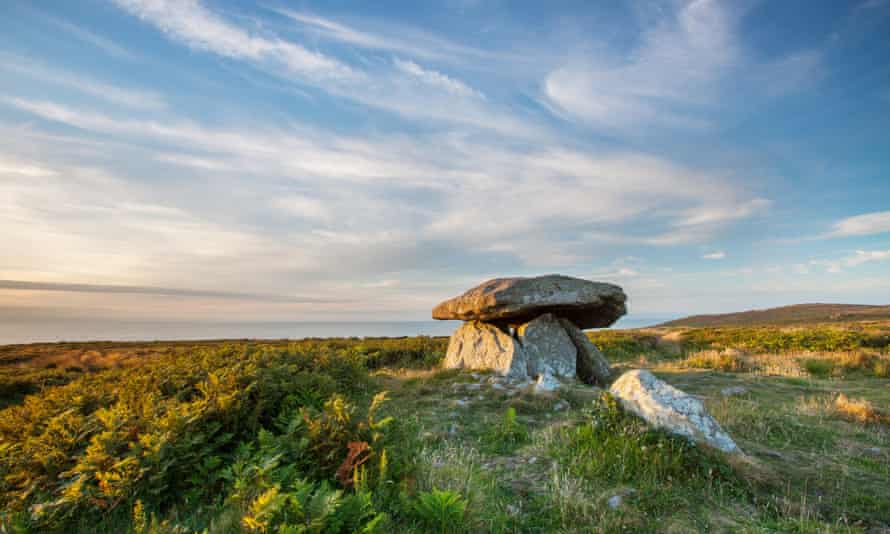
(370, 435)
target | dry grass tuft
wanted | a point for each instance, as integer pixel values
(804, 364)
(881, 368)
(859, 410)
(719, 361)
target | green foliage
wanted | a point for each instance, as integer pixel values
(17, 382)
(881, 368)
(179, 431)
(440, 511)
(618, 345)
(820, 368)
(508, 434)
(293, 437)
(306, 507)
(624, 345)
(775, 339)
(618, 447)
(335, 430)
(419, 352)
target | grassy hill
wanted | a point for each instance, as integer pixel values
(788, 315)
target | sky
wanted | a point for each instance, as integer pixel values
(344, 160)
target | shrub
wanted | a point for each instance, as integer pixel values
(338, 443)
(308, 507)
(859, 410)
(440, 511)
(507, 434)
(820, 368)
(181, 431)
(881, 368)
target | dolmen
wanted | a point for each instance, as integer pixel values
(531, 328)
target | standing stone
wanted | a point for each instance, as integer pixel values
(478, 345)
(514, 301)
(548, 346)
(664, 406)
(592, 366)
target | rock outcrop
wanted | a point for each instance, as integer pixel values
(666, 407)
(545, 314)
(514, 301)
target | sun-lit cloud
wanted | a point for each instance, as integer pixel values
(858, 258)
(317, 152)
(198, 27)
(859, 225)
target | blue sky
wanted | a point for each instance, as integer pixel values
(343, 160)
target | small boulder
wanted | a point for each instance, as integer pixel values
(478, 345)
(546, 383)
(616, 500)
(548, 347)
(591, 366)
(732, 391)
(666, 407)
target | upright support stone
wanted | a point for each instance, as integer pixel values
(477, 345)
(592, 366)
(549, 347)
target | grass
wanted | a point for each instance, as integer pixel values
(262, 436)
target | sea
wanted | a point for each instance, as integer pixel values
(28, 330)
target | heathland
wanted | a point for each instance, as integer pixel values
(370, 435)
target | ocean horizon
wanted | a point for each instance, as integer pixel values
(57, 330)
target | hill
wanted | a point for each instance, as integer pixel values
(788, 315)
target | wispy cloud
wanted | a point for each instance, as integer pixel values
(858, 258)
(563, 205)
(30, 68)
(25, 285)
(401, 40)
(860, 225)
(105, 44)
(410, 166)
(675, 77)
(198, 27)
(436, 79)
(11, 166)
(405, 88)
